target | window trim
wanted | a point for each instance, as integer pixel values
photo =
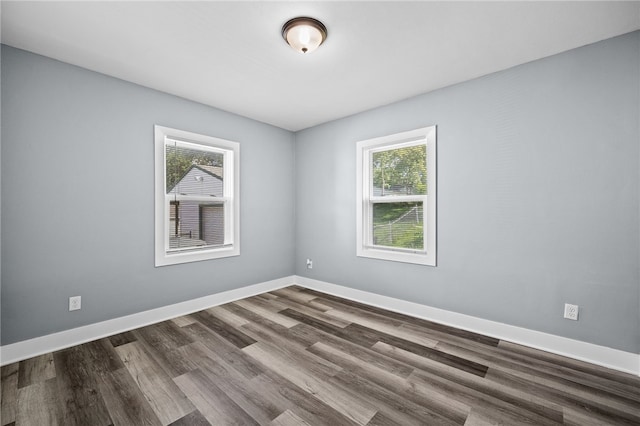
(231, 199)
(365, 200)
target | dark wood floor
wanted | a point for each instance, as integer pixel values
(298, 357)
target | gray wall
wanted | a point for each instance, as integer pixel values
(77, 198)
(538, 196)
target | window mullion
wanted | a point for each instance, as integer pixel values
(398, 199)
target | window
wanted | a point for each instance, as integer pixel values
(396, 192)
(196, 209)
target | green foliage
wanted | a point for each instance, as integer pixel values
(180, 160)
(398, 225)
(401, 171)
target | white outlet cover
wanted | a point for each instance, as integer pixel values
(571, 311)
(75, 303)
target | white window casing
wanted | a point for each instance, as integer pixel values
(368, 197)
(175, 248)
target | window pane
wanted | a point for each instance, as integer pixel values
(193, 172)
(401, 171)
(195, 224)
(398, 225)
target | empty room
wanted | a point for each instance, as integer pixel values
(320, 213)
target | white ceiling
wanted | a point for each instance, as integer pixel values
(231, 54)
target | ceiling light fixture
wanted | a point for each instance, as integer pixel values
(304, 34)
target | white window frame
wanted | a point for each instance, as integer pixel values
(231, 200)
(365, 198)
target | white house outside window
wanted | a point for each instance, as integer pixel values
(396, 190)
(196, 208)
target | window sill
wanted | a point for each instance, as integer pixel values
(418, 258)
(165, 259)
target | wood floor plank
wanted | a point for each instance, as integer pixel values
(208, 337)
(36, 369)
(622, 411)
(236, 385)
(222, 348)
(534, 377)
(424, 351)
(163, 344)
(224, 314)
(613, 382)
(289, 418)
(304, 335)
(353, 332)
(163, 336)
(314, 313)
(211, 401)
(241, 391)
(266, 313)
(298, 356)
(270, 302)
(165, 398)
(556, 375)
(365, 354)
(573, 364)
(77, 386)
(504, 410)
(183, 321)
(9, 395)
(122, 338)
(282, 393)
(518, 399)
(349, 405)
(100, 356)
(314, 364)
(294, 294)
(393, 405)
(360, 312)
(437, 410)
(579, 417)
(393, 330)
(459, 339)
(38, 404)
(224, 330)
(404, 319)
(382, 419)
(125, 401)
(488, 416)
(195, 418)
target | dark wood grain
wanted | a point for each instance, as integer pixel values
(300, 357)
(78, 392)
(125, 401)
(122, 338)
(36, 369)
(211, 401)
(166, 400)
(38, 404)
(223, 329)
(9, 396)
(194, 418)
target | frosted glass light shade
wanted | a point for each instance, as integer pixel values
(304, 34)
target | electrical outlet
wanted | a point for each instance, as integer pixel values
(309, 264)
(75, 303)
(571, 311)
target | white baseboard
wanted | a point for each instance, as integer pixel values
(65, 339)
(600, 355)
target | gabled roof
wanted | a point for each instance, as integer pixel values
(215, 171)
